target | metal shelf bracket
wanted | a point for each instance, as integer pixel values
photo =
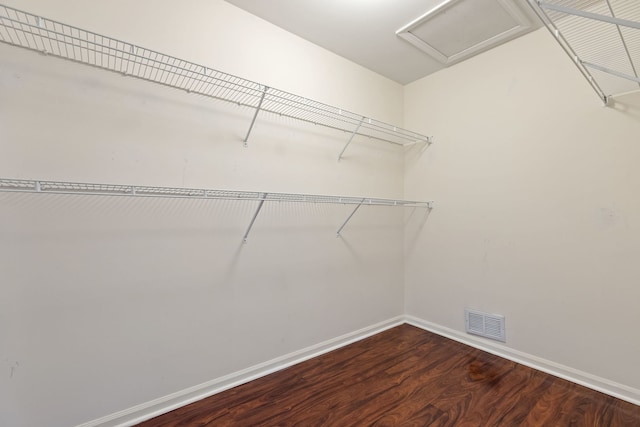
(349, 217)
(255, 215)
(255, 116)
(355, 131)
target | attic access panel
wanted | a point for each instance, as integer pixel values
(459, 29)
(601, 36)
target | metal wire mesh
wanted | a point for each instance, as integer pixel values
(32, 32)
(57, 187)
(17, 185)
(607, 52)
(73, 187)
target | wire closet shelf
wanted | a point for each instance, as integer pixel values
(602, 37)
(53, 38)
(59, 187)
(79, 188)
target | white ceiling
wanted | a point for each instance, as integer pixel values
(364, 31)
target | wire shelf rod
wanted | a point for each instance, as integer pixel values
(53, 38)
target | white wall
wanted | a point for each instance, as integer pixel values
(106, 303)
(537, 216)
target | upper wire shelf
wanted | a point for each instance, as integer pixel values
(602, 37)
(47, 36)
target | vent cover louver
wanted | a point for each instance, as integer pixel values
(484, 324)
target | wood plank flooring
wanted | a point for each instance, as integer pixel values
(406, 377)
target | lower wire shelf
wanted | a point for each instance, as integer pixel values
(90, 189)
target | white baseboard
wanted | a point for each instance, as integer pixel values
(593, 382)
(148, 410)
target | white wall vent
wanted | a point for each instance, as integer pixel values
(485, 325)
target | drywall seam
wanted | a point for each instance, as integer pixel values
(162, 405)
(585, 379)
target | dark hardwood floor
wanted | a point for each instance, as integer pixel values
(406, 377)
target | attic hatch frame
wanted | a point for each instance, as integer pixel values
(573, 38)
(53, 38)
